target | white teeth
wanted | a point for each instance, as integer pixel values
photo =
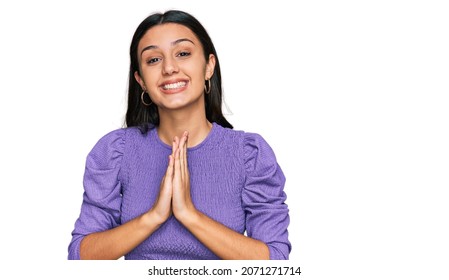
(175, 85)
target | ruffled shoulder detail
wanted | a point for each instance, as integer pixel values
(102, 198)
(264, 198)
(108, 151)
(103, 164)
(257, 152)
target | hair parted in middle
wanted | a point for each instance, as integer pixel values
(145, 117)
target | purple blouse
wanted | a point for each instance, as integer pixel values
(234, 180)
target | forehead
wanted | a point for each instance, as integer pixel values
(164, 34)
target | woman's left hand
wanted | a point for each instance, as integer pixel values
(182, 204)
(221, 240)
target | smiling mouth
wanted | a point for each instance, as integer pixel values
(174, 85)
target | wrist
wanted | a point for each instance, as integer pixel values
(152, 219)
(188, 217)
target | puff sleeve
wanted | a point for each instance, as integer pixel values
(100, 209)
(264, 198)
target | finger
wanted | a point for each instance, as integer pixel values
(175, 145)
(182, 152)
(168, 177)
(177, 167)
(185, 167)
(165, 192)
(186, 139)
(169, 172)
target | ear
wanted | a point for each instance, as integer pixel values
(139, 80)
(210, 66)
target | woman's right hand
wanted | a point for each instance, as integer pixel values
(162, 208)
(116, 242)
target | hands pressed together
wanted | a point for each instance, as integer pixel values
(174, 196)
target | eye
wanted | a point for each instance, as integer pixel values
(153, 60)
(183, 54)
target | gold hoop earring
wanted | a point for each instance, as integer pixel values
(207, 88)
(143, 101)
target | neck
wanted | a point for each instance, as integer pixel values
(174, 122)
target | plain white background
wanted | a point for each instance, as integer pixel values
(352, 97)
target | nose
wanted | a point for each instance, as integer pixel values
(169, 66)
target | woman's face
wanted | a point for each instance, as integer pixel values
(173, 69)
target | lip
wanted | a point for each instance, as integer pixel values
(173, 90)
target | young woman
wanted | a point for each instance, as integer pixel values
(179, 182)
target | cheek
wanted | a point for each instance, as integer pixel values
(196, 74)
(150, 76)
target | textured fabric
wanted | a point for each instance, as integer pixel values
(234, 180)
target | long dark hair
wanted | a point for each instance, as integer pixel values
(145, 117)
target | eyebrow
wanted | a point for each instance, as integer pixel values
(150, 47)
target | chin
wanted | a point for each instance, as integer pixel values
(175, 106)
(180, 104)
